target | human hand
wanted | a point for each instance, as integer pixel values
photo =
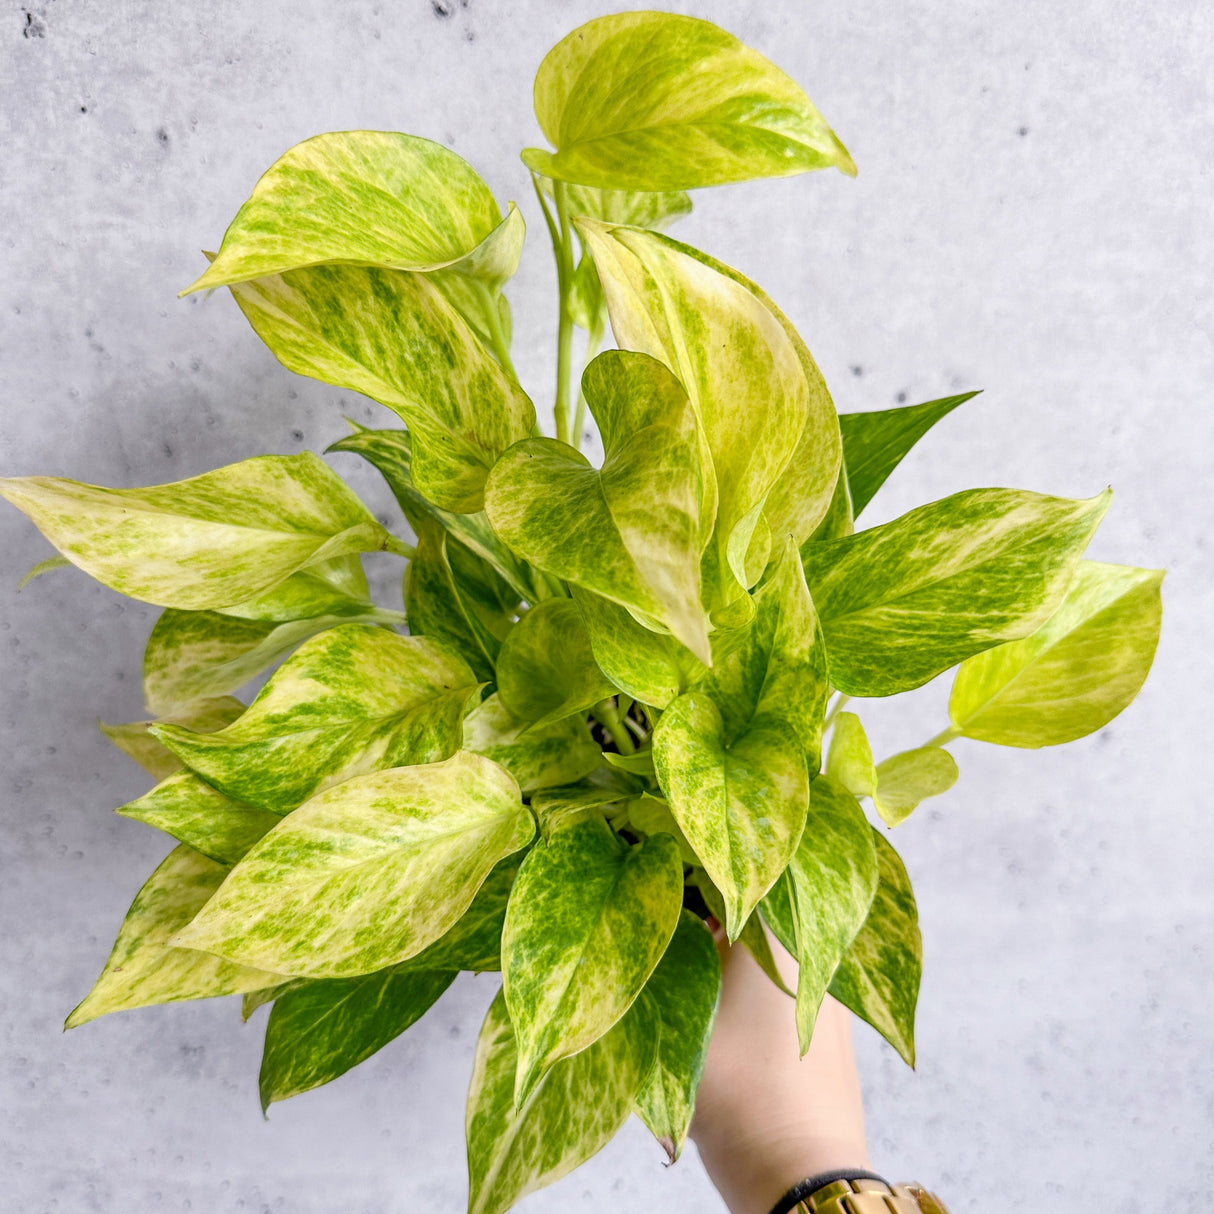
(765, 1117)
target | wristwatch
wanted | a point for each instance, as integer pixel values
(853, 1194)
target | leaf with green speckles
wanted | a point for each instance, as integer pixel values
(368, 873)
(653, 209)
(367, 198)
(830, 884)
(1075, 673)
(202, 716)
(144, 967)
(878, 977)
(898, 784)
(320, 1030)
(685, 986)
(437, 605)
(659, 101)
(352, 700)
(650, 666)
(651, 816)
(733, 756)
(390, 452)
(597, 792)
(752, 935)
(643, 518)
(840, 519)
(189, 809)
(536, 756)
(589, 918)
(545, 668)
(395, 337)
(207, 542)
(874, 444)
(902, 602)
(574, 1113)
(768, 428)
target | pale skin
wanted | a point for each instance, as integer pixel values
(765, 1117)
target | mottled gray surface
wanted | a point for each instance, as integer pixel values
(1031, 216)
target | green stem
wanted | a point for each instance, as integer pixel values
(835, 709)
(497, 335)
(606, 715)
(564, 336)
(944, 737)
(399, 547)
(593, 341)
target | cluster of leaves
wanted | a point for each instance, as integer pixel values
(606, 721)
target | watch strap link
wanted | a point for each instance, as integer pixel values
(865, 1196)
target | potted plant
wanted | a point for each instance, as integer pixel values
(606, 721)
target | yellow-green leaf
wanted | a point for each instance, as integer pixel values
(906, 779)
(1075, 673)
(604, 790)
(367, 873)
(589, 918)
(36, 571)
(193, 812)
(202, 716)
(352, 700)
(536, 756)
(206, 542)
(651, 816)
(371, 198)
(849, 762)
(546, 671)
(904, 601)
(658, 101)
(830, 884)
(875, 443)
(573, 1114)
(320, 1030)
(145, 967)
(396, 338)
(685, 987)
(643, 518)
(878, 977)
(767, 425)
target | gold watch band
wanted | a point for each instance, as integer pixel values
(869, 1197)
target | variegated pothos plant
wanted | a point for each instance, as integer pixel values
(606, 720)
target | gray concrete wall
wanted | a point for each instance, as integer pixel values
(1031, 217)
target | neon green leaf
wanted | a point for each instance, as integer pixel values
(685, 988)
(878, 977)
(352, 700)
(1075, 673)
(206, 542)
(904, 601)
(144, 967)
(570, 1116)
(642, 520)
(367, 873)
(377, 332)
(589, 918)
(656, 101)
(536, 756)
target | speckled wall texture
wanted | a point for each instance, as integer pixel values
(1031, 217)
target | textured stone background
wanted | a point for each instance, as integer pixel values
(1031, 216)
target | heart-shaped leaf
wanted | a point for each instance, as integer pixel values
(376, 331)
(685, 987)
(144, 967)
(642, 517)
(572, 1115)
(589, 918)
(320, 1030)
(210, 541)
(829, 885)
(904, 601)
(368, 873)
(368, 198)
(658, 101)
(545, 669)
(1075, 673)
(542, 756)
(878, 977)
(351, 700)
